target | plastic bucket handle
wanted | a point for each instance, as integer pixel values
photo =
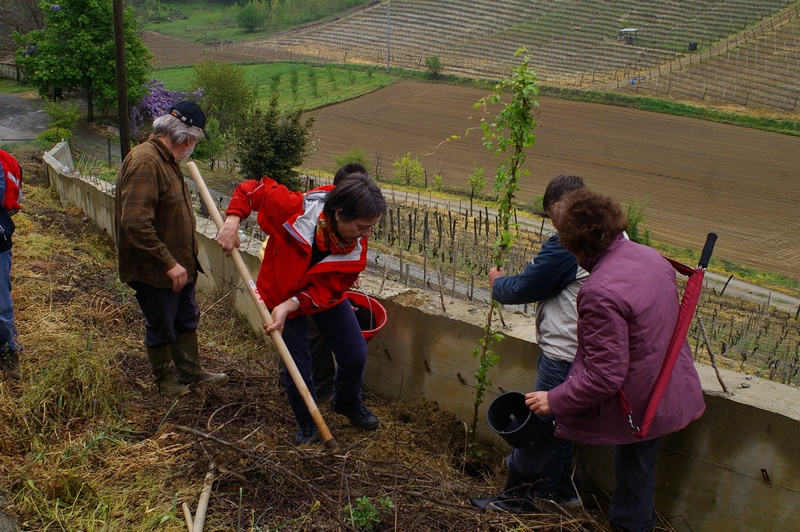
(376, 309)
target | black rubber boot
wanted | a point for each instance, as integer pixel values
(186, 355)
(164, 378)
(517, 496)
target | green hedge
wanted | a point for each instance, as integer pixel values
(55, 135)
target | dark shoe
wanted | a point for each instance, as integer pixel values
(360, 415)
(204, 376)
(564, 495)
(9, 364)
(517, 494)
(306, 434)
(570, 504)
(505, 502)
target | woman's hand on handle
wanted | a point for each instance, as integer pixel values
(228, 235)
(279, 315)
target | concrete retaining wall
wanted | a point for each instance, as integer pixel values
(737, 468)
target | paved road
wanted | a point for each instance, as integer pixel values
(21, 117)
(755, 293)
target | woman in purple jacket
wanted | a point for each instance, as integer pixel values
(627, 311)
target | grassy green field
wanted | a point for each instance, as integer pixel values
(10, 86)
(334, 83)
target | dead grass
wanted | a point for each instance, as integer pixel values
(87, 444)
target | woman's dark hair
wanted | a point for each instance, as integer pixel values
(355, 197)
(588, 222)
(346, 170)
(558, 186)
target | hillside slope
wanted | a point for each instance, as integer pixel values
(572, 43)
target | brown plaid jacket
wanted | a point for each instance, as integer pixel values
(154, 217)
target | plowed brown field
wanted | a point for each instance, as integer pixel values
(695, 176)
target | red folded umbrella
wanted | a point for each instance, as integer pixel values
(691, 295)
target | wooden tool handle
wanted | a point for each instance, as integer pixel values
(283, 351)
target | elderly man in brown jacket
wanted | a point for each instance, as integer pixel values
(155, 230)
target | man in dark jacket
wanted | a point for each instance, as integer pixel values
(155, 230)
(9, 348)
(551, 280)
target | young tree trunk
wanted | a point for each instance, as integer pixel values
(89, 104)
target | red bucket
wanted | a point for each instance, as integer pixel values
(370, 313)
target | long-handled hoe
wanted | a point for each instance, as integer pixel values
(283, 351)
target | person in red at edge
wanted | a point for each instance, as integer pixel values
(627, 311)
(316, 250)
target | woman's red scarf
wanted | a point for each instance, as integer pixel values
(327, 240)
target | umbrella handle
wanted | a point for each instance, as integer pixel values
(705, 256)
(277, 339)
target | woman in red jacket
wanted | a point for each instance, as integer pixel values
(627, 311)
(316, 250)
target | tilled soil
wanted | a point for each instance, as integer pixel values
(171, 51)
(693, 176)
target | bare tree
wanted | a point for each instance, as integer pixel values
(17, 15)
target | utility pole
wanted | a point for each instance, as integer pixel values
(122, 78)
(388, 31)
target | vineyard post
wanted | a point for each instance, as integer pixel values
(441, 287)
(400, 268)
(711, 355)
(454, 258)
(425, 239)
(411, 229)
(439, 227)
(453, 241)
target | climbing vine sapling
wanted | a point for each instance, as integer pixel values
(508, 134)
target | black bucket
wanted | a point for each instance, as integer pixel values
(510, 417)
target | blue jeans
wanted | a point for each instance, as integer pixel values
(550, 459)
(8, 327)
(339, 327)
